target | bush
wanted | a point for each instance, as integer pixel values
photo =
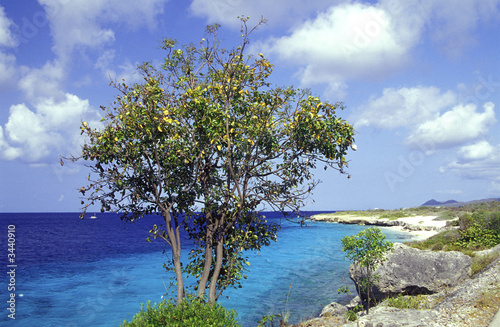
(418, 302)
(442, 241)
(476, 237)
(479, 262)
(191, 312)
(352, 314)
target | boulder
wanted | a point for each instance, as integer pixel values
(411, 271)
(333, 309)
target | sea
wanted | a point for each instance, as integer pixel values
(60, 270)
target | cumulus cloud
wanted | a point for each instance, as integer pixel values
(478, 151)
(353, 40)
(345, 42)
(454, 127)
(43, 82)
(76, 23)
(7, 68)
(477, 161)
(403, 107)
(6, 37)
(52, 126)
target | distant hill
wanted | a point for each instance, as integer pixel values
(433, 202)
(453, 203)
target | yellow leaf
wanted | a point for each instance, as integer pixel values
(159, 128)
(218, 147)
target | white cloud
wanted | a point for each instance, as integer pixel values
(345, 42)
(53, 126)
(459, 125)
(403, 107)
(7, 68)
(353, 40)
(6, 38)
(43, 82)
(82, 23)
(478, 151)
(481, 163)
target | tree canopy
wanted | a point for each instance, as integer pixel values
(206, 141)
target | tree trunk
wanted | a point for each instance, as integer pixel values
(175, 244)
(205, 274)
(368, 288)
(212, 292)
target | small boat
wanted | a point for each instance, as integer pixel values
(93, 216)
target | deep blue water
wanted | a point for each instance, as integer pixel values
(97, 272)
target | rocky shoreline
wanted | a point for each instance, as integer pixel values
(458, 301)
(457, 305)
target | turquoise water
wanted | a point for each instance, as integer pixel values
(97, 273)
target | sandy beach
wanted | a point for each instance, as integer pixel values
(421, 226)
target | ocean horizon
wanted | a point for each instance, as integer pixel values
(97, 272)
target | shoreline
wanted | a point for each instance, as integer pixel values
(420, 226)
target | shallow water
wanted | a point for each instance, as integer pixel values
(98, 272)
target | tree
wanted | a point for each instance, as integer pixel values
(209, 131)
(367, 249)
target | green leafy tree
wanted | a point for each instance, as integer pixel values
(367, 249)
(208, 131)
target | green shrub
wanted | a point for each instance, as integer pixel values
(418, 302)
(351, 314)
(476, 237)
(479, 262)
(191, 312)
(442, 241)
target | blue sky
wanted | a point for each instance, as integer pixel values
(420, 81)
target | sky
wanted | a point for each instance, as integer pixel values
(420, 81)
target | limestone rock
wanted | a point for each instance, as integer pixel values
(412, 271)
(392, 317)
(333, 309)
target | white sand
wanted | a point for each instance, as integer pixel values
(427, 221)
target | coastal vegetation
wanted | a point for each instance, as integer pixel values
(418, 302)
(190, 312)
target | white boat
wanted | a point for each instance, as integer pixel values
(93, 216)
